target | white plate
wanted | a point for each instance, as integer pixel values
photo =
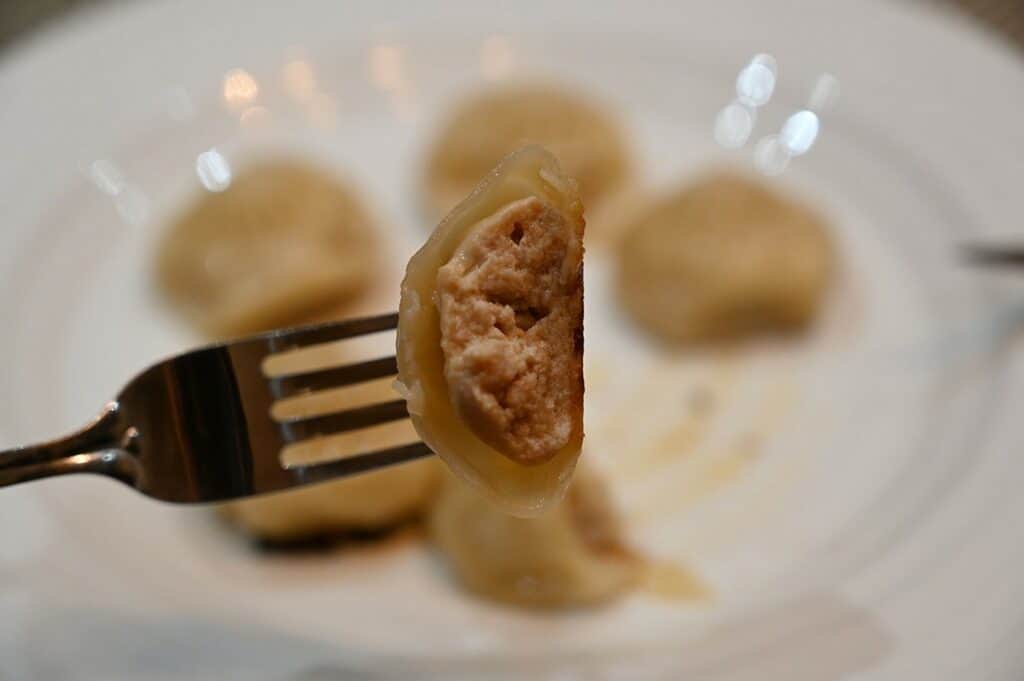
(872, 534)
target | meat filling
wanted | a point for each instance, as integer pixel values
(511, 316)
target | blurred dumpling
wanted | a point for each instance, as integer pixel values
(368, 502)
(284, 240)
(574, 555)
(371, 501)
(490, 334)
(286, 243)
(586, 139)
(722, 258)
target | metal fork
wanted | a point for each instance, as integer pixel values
(198, 427)
(1009, 256)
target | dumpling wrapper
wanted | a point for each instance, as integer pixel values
(490, 334)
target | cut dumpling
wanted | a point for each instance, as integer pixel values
(574, 555)
(490, 334)
(586, 139)
(366, 502)
(722, 258)
(282, 241)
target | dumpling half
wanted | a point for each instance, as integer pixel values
(490, 334)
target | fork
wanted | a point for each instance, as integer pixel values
(198, 427)
(1010, 256)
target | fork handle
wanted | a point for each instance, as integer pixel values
(99, 447)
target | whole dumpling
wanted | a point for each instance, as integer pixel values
(367, 502)
(286, 243)
(723, 258)
(283, 241)
(587, 140)
(573, 555)
(490, 334)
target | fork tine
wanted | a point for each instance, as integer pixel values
(288, 339)
(283, 340)
(302, 428)
(317, 472)
(1008, 256)
(337, 377)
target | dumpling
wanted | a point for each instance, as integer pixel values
(574, 555)
(283, 241)
(286, 244)
(723, 258)
(587, 140)
(490, 334)
(366, 502)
